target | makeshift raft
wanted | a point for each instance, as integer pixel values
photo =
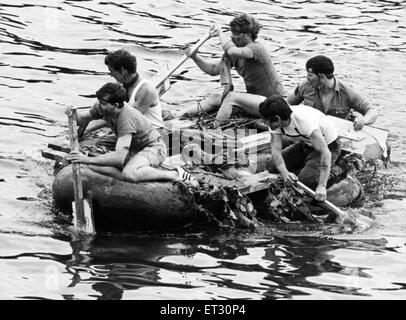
(127, 207)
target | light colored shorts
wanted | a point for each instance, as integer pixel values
(155, 154)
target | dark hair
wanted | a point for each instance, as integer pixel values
(121, 59)
(321, 64)
(115, 91)
(245, 23)
(274, 106)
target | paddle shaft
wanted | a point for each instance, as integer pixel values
(327, 203)
(166, 76)
(182, 60)
(77, 179)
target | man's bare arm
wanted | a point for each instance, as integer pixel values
(279, 162)
(211, 68)
(319, 144)
(147, 98)
(111, 159)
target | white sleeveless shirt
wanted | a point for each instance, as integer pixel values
(153, 114)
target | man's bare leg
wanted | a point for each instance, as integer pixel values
(108, 171)
(211, 103)
(246, 101)
(138, 169)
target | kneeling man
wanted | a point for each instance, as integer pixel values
(317, 146)
(139, 149)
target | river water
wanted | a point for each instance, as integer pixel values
(52, 55)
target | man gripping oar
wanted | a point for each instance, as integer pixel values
(252, 62)
(82, 208)
(316, 148)
(140, 93)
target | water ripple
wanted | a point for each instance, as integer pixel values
(53, 56)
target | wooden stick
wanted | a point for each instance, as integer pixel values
(327, 203)
(165, 77)
(163, 84)
(77, 179)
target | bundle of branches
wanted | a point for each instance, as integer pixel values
(236, 121)
(238, 210)
(241, 211)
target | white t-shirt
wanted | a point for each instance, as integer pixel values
(304, 120)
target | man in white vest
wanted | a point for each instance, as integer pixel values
(140, 93)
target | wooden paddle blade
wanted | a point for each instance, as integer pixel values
(80, 211)
(340, 213)
(86, 226)
(164, 86)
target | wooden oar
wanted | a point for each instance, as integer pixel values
(343, 215)
(83, 215)
(163, 83)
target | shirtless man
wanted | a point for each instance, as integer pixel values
(252, 62)
(140, 94)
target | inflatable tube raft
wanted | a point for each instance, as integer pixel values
(127, 207)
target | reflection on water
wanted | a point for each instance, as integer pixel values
(205, 266)
(53, 56)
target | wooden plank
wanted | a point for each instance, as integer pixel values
(257, 182)
(53, 154)
(255, 142)
(58, 147)
(369, 142)
(178, 124)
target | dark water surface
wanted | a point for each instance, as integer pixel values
(52, 55)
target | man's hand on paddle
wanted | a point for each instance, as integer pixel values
(214, 30)
(69, 111)
(190, 54)
(321, 193)
(289, 177)
(77, 157)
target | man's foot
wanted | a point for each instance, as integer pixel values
(187, 178)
